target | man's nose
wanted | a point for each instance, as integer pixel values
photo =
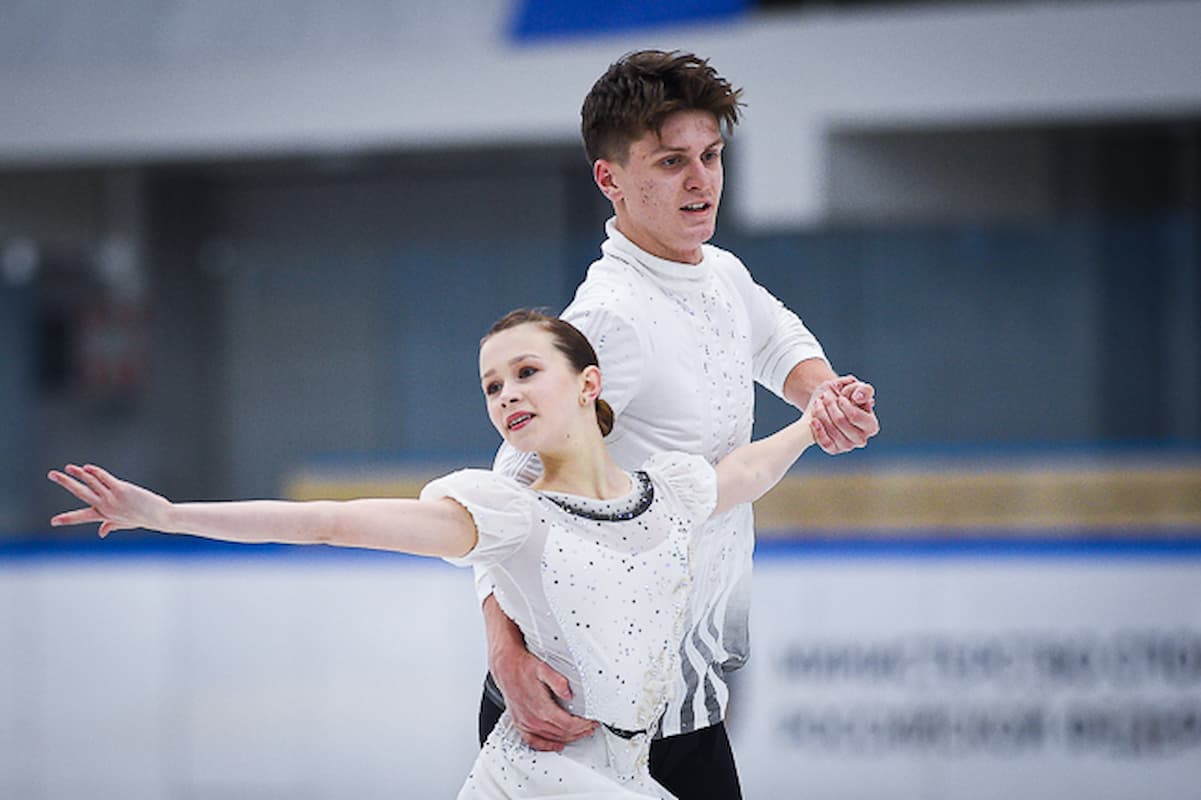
(697, 176)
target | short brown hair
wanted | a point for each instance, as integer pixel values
(568, 340)
(638, 92)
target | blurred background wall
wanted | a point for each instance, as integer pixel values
(248, 250)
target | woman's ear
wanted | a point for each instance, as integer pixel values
(590, 383)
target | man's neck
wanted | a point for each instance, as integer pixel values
(647, 244)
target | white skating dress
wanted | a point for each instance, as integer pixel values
(599, 589)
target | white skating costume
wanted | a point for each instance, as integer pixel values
(599, 589)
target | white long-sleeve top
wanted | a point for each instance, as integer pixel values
(680, 346)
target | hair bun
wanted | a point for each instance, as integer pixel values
(604, 416)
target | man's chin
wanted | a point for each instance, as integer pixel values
(700, 232)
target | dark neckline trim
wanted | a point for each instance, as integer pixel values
(588, 508)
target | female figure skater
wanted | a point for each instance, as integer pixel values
(591, 562)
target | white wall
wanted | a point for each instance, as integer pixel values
(449, 77)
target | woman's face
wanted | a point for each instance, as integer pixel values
(531, 389)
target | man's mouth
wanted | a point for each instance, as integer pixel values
(696, 207)
(518, 420)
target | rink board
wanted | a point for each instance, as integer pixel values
(925, 670)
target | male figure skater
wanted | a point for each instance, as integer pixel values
(682, 332)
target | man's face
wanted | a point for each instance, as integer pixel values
(666, 193)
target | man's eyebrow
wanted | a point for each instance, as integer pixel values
(664, 148)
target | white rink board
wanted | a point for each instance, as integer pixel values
(315, 677)
(953, 676)
(150, 674)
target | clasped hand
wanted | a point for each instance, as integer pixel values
(844, 414)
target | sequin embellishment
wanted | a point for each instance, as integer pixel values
(635, 504)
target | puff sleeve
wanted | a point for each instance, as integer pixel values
(689, 479)
(501, 508)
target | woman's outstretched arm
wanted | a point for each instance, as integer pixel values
(428, 528)
(747, 473)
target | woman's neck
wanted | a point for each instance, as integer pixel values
(586, 471)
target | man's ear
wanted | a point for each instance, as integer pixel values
(603, 172)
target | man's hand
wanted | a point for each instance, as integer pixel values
(844, 415)
(530, 686)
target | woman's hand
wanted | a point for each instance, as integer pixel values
(114, 503)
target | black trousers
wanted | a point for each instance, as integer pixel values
(693, 766)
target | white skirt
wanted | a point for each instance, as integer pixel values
(601, 767)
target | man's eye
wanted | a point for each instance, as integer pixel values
(670, 161)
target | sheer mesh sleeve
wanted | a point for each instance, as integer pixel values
(500, 507)
(690, 479)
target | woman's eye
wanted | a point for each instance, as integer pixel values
(526, 372)
(492, 388)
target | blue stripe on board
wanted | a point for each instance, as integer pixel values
(1081, 545)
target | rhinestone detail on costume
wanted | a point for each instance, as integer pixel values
(633, 505)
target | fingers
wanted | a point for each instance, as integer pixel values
(556, 682)
(865, 421)
(822, 437)
(95, 487)
(832, 435)
(835, 385)
(109, 483)
(858, 420)
(860, 393)
(75, 487)
(530, 694)
(843, 414)
(78, 517)
(571, 725)
(551, 727)
(91, 475)
(839, 424)
(558, 725)
(538, 743)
